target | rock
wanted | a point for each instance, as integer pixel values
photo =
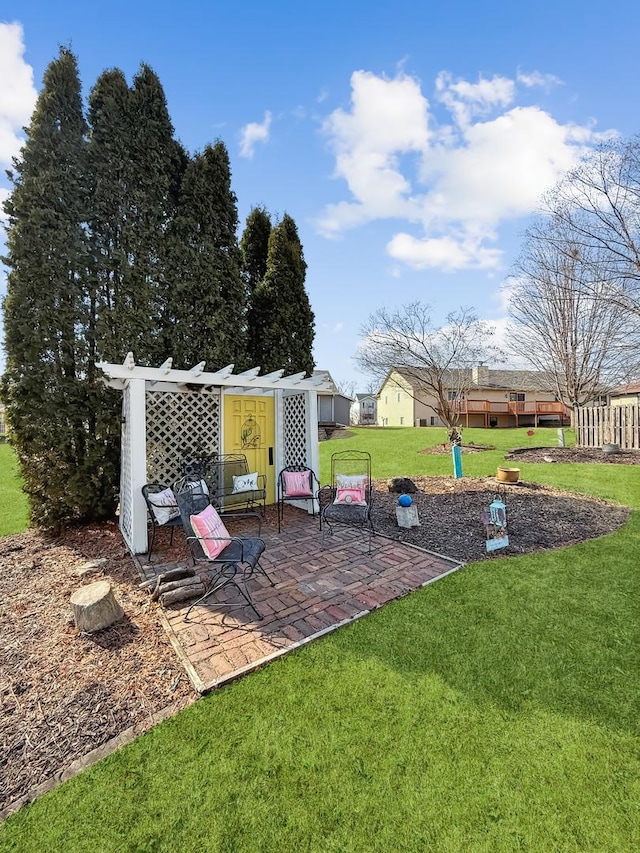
(407, 516)
(548, 459)
(95, 607)
(89, 567)
(402, 486)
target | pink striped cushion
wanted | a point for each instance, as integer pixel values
(297, 484)
(209, 524)
(350, 496)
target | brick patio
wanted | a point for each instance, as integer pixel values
(317, 589)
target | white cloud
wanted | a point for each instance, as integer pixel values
(388, 118)
(455, 182)
(535, 78)
(17, 92)
(444, 253)
(466, 100)
(253, 133)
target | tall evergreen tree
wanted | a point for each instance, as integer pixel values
(282, 319)
(206, 292)
(254, 245)
(111, 217)
(46, 382)
(156, 162)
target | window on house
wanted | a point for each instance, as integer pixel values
(452, 395)
(516, 397)
(423, 422)
(401, 421)
(433, 421)
(398, 396)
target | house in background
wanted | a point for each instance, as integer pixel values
(333, 407)
(493, 398)
(364, 410)
(3, 423)
(625, 395)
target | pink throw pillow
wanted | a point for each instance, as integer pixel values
(355, 497)
(297, 484)
(208, 524)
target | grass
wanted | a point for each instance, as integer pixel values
(496, 710)
(14, 510)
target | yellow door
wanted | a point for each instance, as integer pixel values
(249, 428)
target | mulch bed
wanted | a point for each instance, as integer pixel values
(450, 512)
(573, 454)
(63, 694)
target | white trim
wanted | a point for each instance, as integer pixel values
(117, 374)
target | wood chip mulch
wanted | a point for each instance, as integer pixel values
(450, 512)
(62, 693)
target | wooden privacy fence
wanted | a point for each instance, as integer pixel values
(598, 425)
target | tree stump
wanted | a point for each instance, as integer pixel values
(95, 607)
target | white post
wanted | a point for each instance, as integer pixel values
(138, 427)
(313, 453)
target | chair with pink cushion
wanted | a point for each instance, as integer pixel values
(234, 559)
(296, 483)
(347, 500)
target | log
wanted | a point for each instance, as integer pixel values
(171, 575)
(182, 594)
(95, 607)
(171, 585)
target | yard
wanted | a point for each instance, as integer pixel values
(494, 710)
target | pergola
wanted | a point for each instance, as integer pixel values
(171, 415)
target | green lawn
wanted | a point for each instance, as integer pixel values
(496, 710)
(14, 511)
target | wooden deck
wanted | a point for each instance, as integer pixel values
(317, 589)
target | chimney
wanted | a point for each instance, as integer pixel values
(480, 375)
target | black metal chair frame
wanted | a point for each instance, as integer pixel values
(154, 489)
(235, 565)
(218, 471)
(282, 497)
(350, 463)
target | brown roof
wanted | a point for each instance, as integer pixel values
(507, 380)
(631, 388)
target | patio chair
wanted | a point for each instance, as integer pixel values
(162, 509)
(296, 483)
(234, 559)
(234, 488)
(347, 501)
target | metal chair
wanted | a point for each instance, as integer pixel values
(347, 500)
(296, 483)
(227, 477)
(237, 561)
(164, 512)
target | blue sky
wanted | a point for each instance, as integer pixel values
(410, 141)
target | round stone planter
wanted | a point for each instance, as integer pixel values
(508, 475)
(610, 449)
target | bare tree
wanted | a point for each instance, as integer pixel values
(599, 206)
(347, 387)
(567, 319)
(438, 360)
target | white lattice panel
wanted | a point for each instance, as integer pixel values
(126, 489)
(295, 429)
(180, 426)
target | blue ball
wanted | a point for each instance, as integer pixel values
(405, 500)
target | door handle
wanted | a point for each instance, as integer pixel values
(271, 456)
